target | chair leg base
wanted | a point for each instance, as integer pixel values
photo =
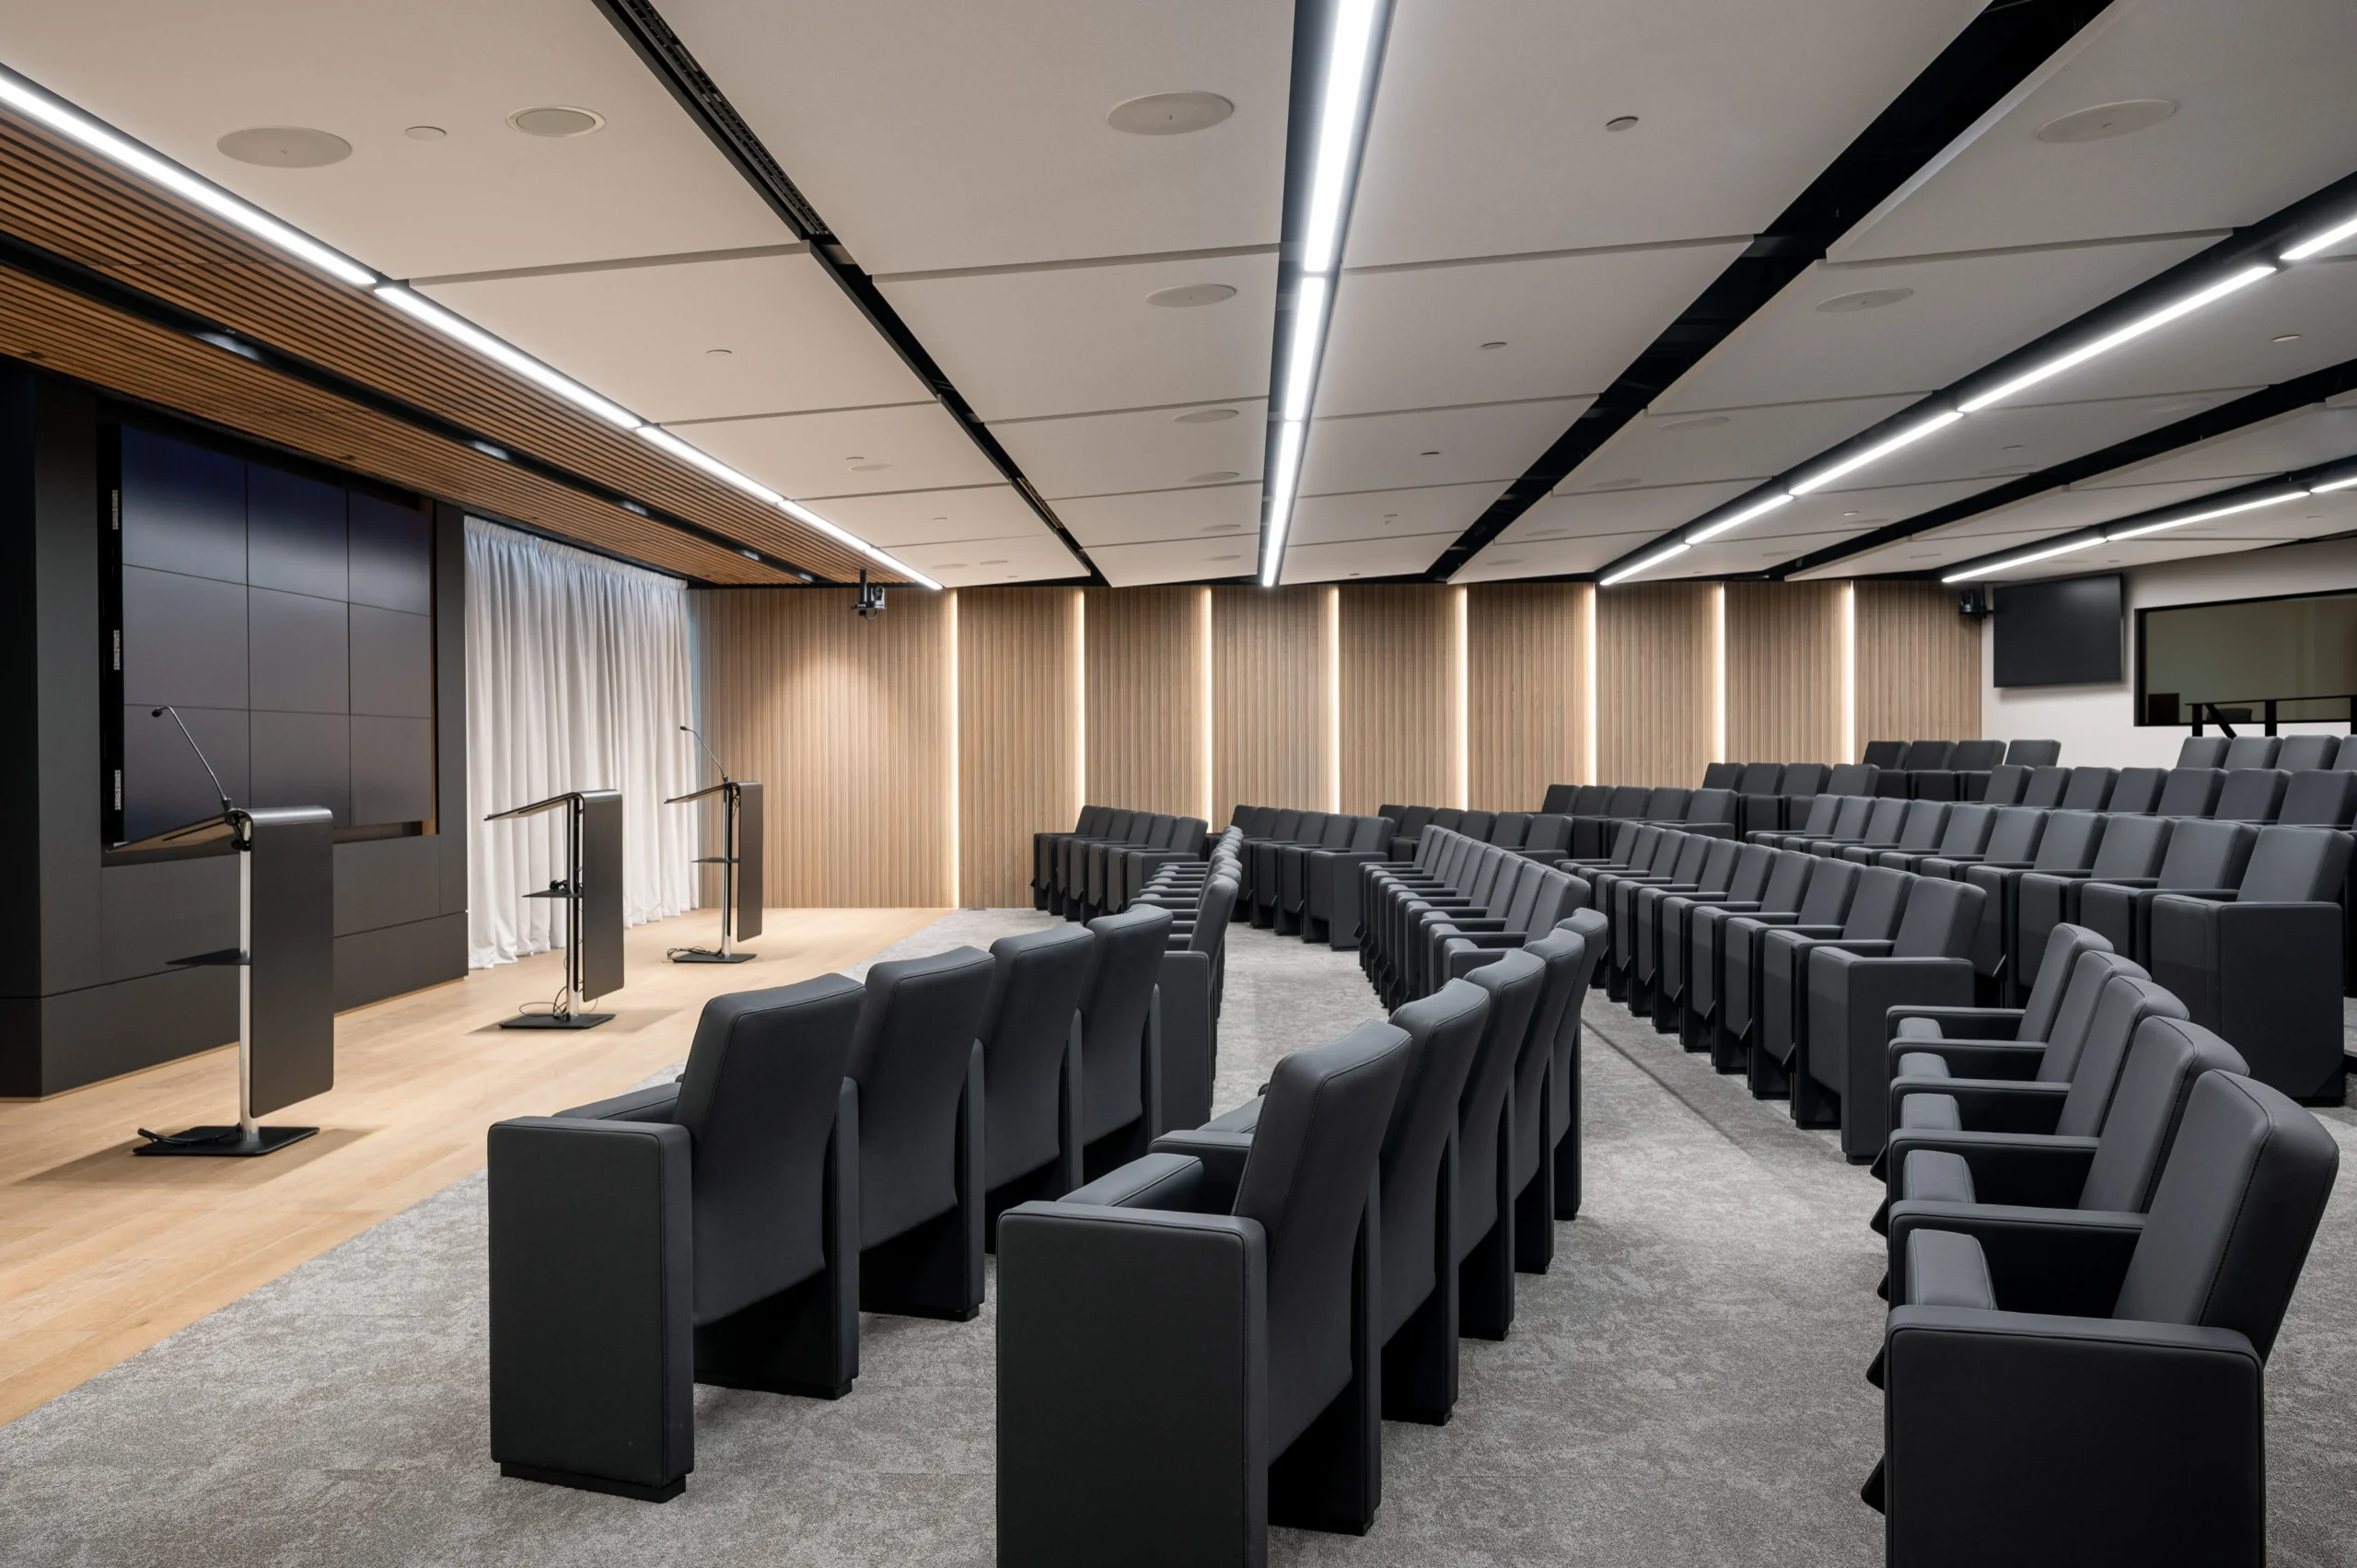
(637, 1490)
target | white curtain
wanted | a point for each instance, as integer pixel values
(577, 678)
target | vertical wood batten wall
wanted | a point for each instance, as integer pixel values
(889, 788)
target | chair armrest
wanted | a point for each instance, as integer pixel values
(1222, 1153)
(656, 1104)
(2015, 1169)
(1964, 1023)
(2001, 1060)
(1991, 1105)
(2065, 1261)
(1173, 1182)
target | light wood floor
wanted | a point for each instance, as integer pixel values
(101, 1255)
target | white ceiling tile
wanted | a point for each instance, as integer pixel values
(645, 336)
(1413, 337)
(2061, 511)
(1655, 510)
(1959, 314)
(935, 516)
(1390, 514)
(2007, 442)
(1224, 512)
(931, 136)
(1924, 553)
(1488, 135)
(1736, 554)
(1857, 511)
(1163, 448)
(1548, 557)
(1363, 558)
(2301, 438)
(847, 451)
(1692, 447)
(485, 197)
(1442, 445)
(1176, 560)
(1084, 340)
(2263, 118)
(2231, 343)
(987, 562)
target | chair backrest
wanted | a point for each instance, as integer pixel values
(1443, 1031)
(1514, 897)
(1113, 1014)
(1561, 955)
(1693, 850)
(1558, 799)
(1788, 881)
(1413, 820)
(2251, 751)
(2202, 751)
(2070, 841)
(1037, 978)
(2005, 782)
(1721, 775)
(1966, 830)
(917, 1028)
(1513, 981)
(2132, 846)
(2064, 945)
(1311, 829)
(1116, 826)
(2295, 865)
(1924, 755)
(1450, 817)
(1940, 920)
(2075, 1014)
(757, 1099)
(1213, 911)
(1718, 865)
(2015, 834)
(1551, 834)
(1759, 778)
(1508, 827)
(1314, 1159)
(1878, 904)
(1091, 816)
(1337, 832)
(2190, 792)
(1803, 778)
(1823, 812)
(1393, 811)
(2207, 854)
(1666, 804)
(1283, 825)
(1750, 876)
(1883, 754)
(1853, 778)
(1371, 834)
(1925, 821)
(2347, 756)
(1850, 814)
(1627, 800)
(2164, 1060)
(1715, 804)
(2090, 789)
(2251, 795)
(1635, 843)
(1476, 824)
(2035, 753)
(1975, 756)
(1883, 819)
(1831, 885)
(2120, 1011)
(1559, 895)
(2301, 752)
(1591, 800)
(2137, 790)
(2319, 797)
(2233, 1215)
(2045, 787)
(1159, 832)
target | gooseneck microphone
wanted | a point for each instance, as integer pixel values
(218, 790)
(686, 729)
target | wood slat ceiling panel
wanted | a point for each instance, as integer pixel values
(74, 336)
(54, 197)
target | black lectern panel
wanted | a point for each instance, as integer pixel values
(748, 851)
(292, 956)
(600, 936)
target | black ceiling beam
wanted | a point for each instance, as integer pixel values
(1986, 60)
(663, 53)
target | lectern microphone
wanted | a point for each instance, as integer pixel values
(218, 790)
(688, 729)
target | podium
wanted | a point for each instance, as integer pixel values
(740, 869)
(285, 963)
(591, 891)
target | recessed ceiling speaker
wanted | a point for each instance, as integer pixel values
(285, 147)
(1612, 485)
(1170, 114)
(1866, 299)
(1192, 293)
(1700, 422)
(1223, 558)
(1204, 416)
(1000, 562)
(425, 132)
(1216, 476)
(556, 120)
(1621, 122)
(2103, 121)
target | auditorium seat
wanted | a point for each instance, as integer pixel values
(1030, 1035)
(2006, 781)
(1720, 950)
(2129, 854)
(1853, 778)
(1711, 811)
(1267, 1298)
(1323, 868)
(2121, 1358)
(1965, 832)
(917, 1060)
(2202, 751)
(2302, 752)
(2200, 855)
(702, 1231)
(1129, 869)
(1860, 821)
(1965, 774)
(2258, 957)
(2346, 756)
(2319, 797)
(1508, 827)
(1679, 1003)
(2251, 751)
(1120, 1039)
(2015, 1034)
(1802, 784)
(1412, 821)
(1459, 946)
(1919, 828)
(1548, 839)
(2250, 794)
(2067, 847)
(1838, 891)
(2045, 787)
(2013, 842)
(1657, 908)
(1563, 956)
(1485, 1231)
(1634, 903)
(1593, 831)
(1721, 775)
(1189, 986)
(2034, 753)
(2089, 789)
(2136, 791)
(1824, 812)
(1043, 852)
(1920, 756)
(1759, 801)
(1883, 754)
(1564, 1098)
(1557, 801)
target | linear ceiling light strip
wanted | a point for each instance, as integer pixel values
(1353, 56)
(47, 110)
(2293, 490)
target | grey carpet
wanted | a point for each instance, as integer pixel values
(1683, 1388)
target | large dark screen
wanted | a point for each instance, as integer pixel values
(2065, 632)
(291, 622)
(2300, 654)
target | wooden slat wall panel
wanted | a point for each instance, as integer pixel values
(1400, 680)
(1784, 672)
(1146, 650)
(1019, 720)
(1653, 644)
(846, 723)
(1269, 673)
(1919, 664)
(1526, 691)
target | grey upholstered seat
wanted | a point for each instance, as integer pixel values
(1030, 1035)
(2202, 751)
(2190, 792)
(1963, 832)
(2200, 855)
(2250, 794)
(1724, 954)
(2067, 847)
(1775, 971)
(2251, 751)
(2299, 752)
(2045, 787)
(2034, 753)
(2130, 852)
(1485, 1229)
(2136, 791)
(1120, 1028)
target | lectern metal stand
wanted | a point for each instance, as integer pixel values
(591, 892)
(740, 869)
(285, 963)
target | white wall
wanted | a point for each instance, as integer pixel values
(2096, 724)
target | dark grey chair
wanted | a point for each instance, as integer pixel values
(1661, 913)
(1721, 775)
(2034, 753)
(1322, 868)
(1564, 1098)
(2251, 751)
(1183, 1362)
(2089, 789)
(2202, 751)
(2006, 780)
(1963, 833)
(1760, 798)
(2250, 794)
(1687, 971)
(2045, 787)
(1883, 754)
(2067, 847)
(1724, 977)
(1030, 1036)
(702, 1231)
(1186, 1003)
(2303, 751)
(1485, 1229)
(1762, 974)
(2130, 852)
(1564, 954)
(1120, 1039)
(2200, 855)
(2137, 791)
(2013, 841)
(1802, 784)
(2190, 792)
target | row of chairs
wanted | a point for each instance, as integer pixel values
(1950, 769)
(833, 1148)
(1275, 1283)
(2095, 1222)
(1099, 866)
(2290, 753)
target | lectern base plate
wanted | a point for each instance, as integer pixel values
(701, 955)
(554, 1021)
(232, 1141)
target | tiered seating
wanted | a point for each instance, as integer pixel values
(1097, 867)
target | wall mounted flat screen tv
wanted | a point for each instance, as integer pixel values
(290, 621)
(2061, 632)
(2229, 660)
